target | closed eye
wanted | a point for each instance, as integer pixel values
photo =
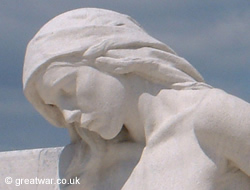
(120, 24)
(51, 105)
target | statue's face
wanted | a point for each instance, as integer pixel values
(86, 97)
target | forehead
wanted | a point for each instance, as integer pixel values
(56, 73)
(53, 80)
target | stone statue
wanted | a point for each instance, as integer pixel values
(139, 116)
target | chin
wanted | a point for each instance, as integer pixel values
(108, 131)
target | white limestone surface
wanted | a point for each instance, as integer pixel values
(139, 116)
(29, 169)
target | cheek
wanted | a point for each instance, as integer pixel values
(111, 94)
(111, 99)
(86, 93)
(98, 92)
(103, 96)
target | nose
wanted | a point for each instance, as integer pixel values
(71, 116)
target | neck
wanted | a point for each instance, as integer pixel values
(153, 112)
(136, 89)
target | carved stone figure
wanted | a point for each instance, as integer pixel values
(139, 116)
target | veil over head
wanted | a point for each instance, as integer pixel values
(81, 30)
(92, 33)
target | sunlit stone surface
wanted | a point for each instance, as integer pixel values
(139, 116)
(35, 169)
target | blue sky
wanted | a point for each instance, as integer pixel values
(212, 36)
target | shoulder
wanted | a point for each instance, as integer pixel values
(221, 114)
(214, 99)
(218, 103)
(222, 128)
